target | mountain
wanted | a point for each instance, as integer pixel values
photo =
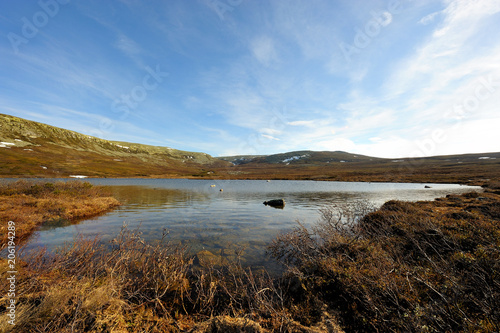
(300, 158)
(29, 148)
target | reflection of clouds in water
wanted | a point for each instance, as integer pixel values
(204, 218)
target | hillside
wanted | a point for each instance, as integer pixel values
(29, 148)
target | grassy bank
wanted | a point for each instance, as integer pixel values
(418, 267)
(406, 267)
(30, 204)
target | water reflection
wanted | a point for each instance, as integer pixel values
(222, 223)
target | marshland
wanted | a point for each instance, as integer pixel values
(358, 265)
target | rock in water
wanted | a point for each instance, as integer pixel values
(276, 203)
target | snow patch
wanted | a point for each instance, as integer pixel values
(78, 176)
(294, 158)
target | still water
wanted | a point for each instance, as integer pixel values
(202, 217)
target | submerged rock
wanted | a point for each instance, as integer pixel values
(204, 257)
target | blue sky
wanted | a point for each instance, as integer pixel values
(392, 78)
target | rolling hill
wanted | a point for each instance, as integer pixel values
(344, 166)
(29, 148)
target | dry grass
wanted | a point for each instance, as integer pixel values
(429, 170)
(136, 287)
(416, 267)
(412, 267)
(30, 204)
(128, 285)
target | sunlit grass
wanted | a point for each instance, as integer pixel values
(30, 204)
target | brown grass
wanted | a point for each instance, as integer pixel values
(136, 287)
(430, 170)
(416, 267)
(128, 285)
(30, 204)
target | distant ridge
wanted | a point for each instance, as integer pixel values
(477, 169)
(300, 157)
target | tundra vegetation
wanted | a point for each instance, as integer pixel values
(423, 266)
(30, 204)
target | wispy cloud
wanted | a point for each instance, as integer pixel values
(270, 137)
(427, 19)
(447, 49)
(263, 50)
(270, 77)
(128, 46)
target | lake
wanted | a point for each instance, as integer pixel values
(202, 217)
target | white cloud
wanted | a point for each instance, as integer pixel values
(127, 45)
(270, 137)
(315, 123)
(306, 123)
(270, 131)
(428, 18)
(447, 49)
(263, 49)
(416, 94)
(391, 146)
(343, 144)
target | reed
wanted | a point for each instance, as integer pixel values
(137, 287)
(406, 267)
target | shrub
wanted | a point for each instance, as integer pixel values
(401, 268)
(130, 285)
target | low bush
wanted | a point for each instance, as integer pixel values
(408, 266)
(132, 286)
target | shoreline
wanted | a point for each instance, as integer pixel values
(481, 183)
